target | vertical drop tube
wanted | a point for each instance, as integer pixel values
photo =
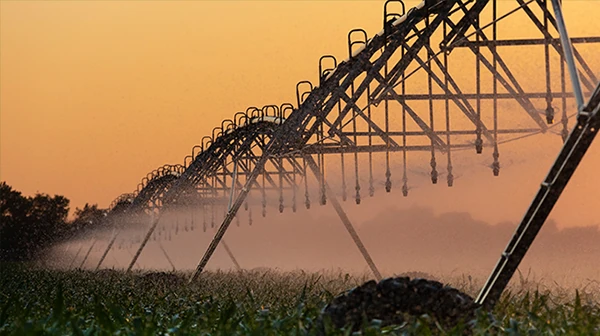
(306, 195)
(432, 163)
(478, 140)
(549, 108)
(388, 172)
(496, 153)
(404, 173)
(450, 176)
(563, 88)
(370, 140)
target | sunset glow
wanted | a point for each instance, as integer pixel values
(96, 94)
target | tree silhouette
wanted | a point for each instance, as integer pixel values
(29, 224)
(88, 217)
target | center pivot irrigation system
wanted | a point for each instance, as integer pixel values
(434, 81)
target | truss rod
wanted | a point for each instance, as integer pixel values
(521, 42)
(589, 83)
(463, 41)
(455, 132)
(76, 255)
(175, 190)
(153, 226)
(110, 244)
(233, 183)
(231, 256)
(381, 148)
(568, 52)
(232, 209)
(340, 211)
(515, 89)
(167, 256)
(227, 220)
(88, 253)
(543, 28)
(443, 96)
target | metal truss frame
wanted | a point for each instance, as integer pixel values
(389, 96)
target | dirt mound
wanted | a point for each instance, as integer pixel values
(392, 300)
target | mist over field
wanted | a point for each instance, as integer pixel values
(443, 231)
(409, 240)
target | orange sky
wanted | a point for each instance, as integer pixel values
(95, 94)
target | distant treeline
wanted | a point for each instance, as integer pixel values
(29, 225)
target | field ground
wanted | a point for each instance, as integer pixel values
(47, 302)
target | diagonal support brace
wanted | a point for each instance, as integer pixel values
(347, 224)
(575, 147)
